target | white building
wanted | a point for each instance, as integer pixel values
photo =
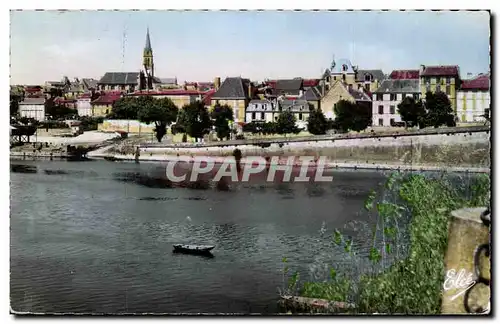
(473, 99)
(387, 98)
(33, 108)
(260, 110)
(83, 105)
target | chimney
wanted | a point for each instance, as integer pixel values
(422, 68)
(250, 90)
(323, 83)
(217, 83)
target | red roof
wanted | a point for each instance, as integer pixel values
(443, 70)
(310, 82)
(107, 98)
(482, 82)
(207, 99)
(404, 74)
(32, 90)
(169, 92)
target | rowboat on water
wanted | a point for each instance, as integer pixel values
(195, 249)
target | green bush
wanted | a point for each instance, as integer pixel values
(414, 284)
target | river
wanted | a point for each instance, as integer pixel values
(87, 238)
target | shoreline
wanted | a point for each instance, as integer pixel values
(327, 164)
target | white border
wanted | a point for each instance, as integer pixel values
(181, 4)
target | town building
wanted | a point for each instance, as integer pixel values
(440, 78)
(341, 91)
(369, 80)
(33, 108)
(261, 111)
(343, 70)
(235, 92)
(387, 98)
(299, 108)
(83, 105)
(473, 99)
(179, 97)
(103, 105)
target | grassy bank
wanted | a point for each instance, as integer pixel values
(413, 283)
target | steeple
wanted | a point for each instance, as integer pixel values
(147, 59)
(148, 42)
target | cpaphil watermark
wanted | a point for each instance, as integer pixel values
(461, 281)
(291, 168)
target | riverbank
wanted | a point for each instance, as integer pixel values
(430, 150)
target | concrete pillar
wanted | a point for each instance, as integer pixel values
(466, 232)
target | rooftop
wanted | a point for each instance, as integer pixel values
(122, 78)
(399, 86)
(404, 74)
(233, 88)
(481, 82)
(442, 70)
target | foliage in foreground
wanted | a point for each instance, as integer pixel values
(412, 285)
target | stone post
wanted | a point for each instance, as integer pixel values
(466, 232)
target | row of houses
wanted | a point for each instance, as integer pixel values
(262, 101)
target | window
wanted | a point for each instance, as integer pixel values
(415, 96)
(300, 116)
(107, 111)
(367, 87)
(380, 97)
(344, 67)
(265, 106)
(393, 110)
(275, 118)
(334, 78)
(236, 111)
(381, 110)
(328, 79)
(438, 88)
(448, 80)
(368, 77)
(253, 116)
(262, 115)
(448, 89)
(393, 97)
(438, 80)
(392, 121)
(380, 122)
(343, 77)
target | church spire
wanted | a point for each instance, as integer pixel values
(147, 61)
(148, 42)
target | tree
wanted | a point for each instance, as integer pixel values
(127, 108)
(352, 116)
(195, 119)
(58, 111)
(411, 111)
(14, 105)
(317, 123)
(286, 123)
(161, 112)
(221, 115)
(438, 109)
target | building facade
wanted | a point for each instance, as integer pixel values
(103, 105)
(440, 78)
(261, 111)
(33, 108)
(179, 97)
(235, 92)
(473, 99)
(341, 91)
(387, 98)
(83, 106)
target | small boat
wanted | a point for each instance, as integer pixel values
(193, 249)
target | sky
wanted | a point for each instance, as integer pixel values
(199, 46)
